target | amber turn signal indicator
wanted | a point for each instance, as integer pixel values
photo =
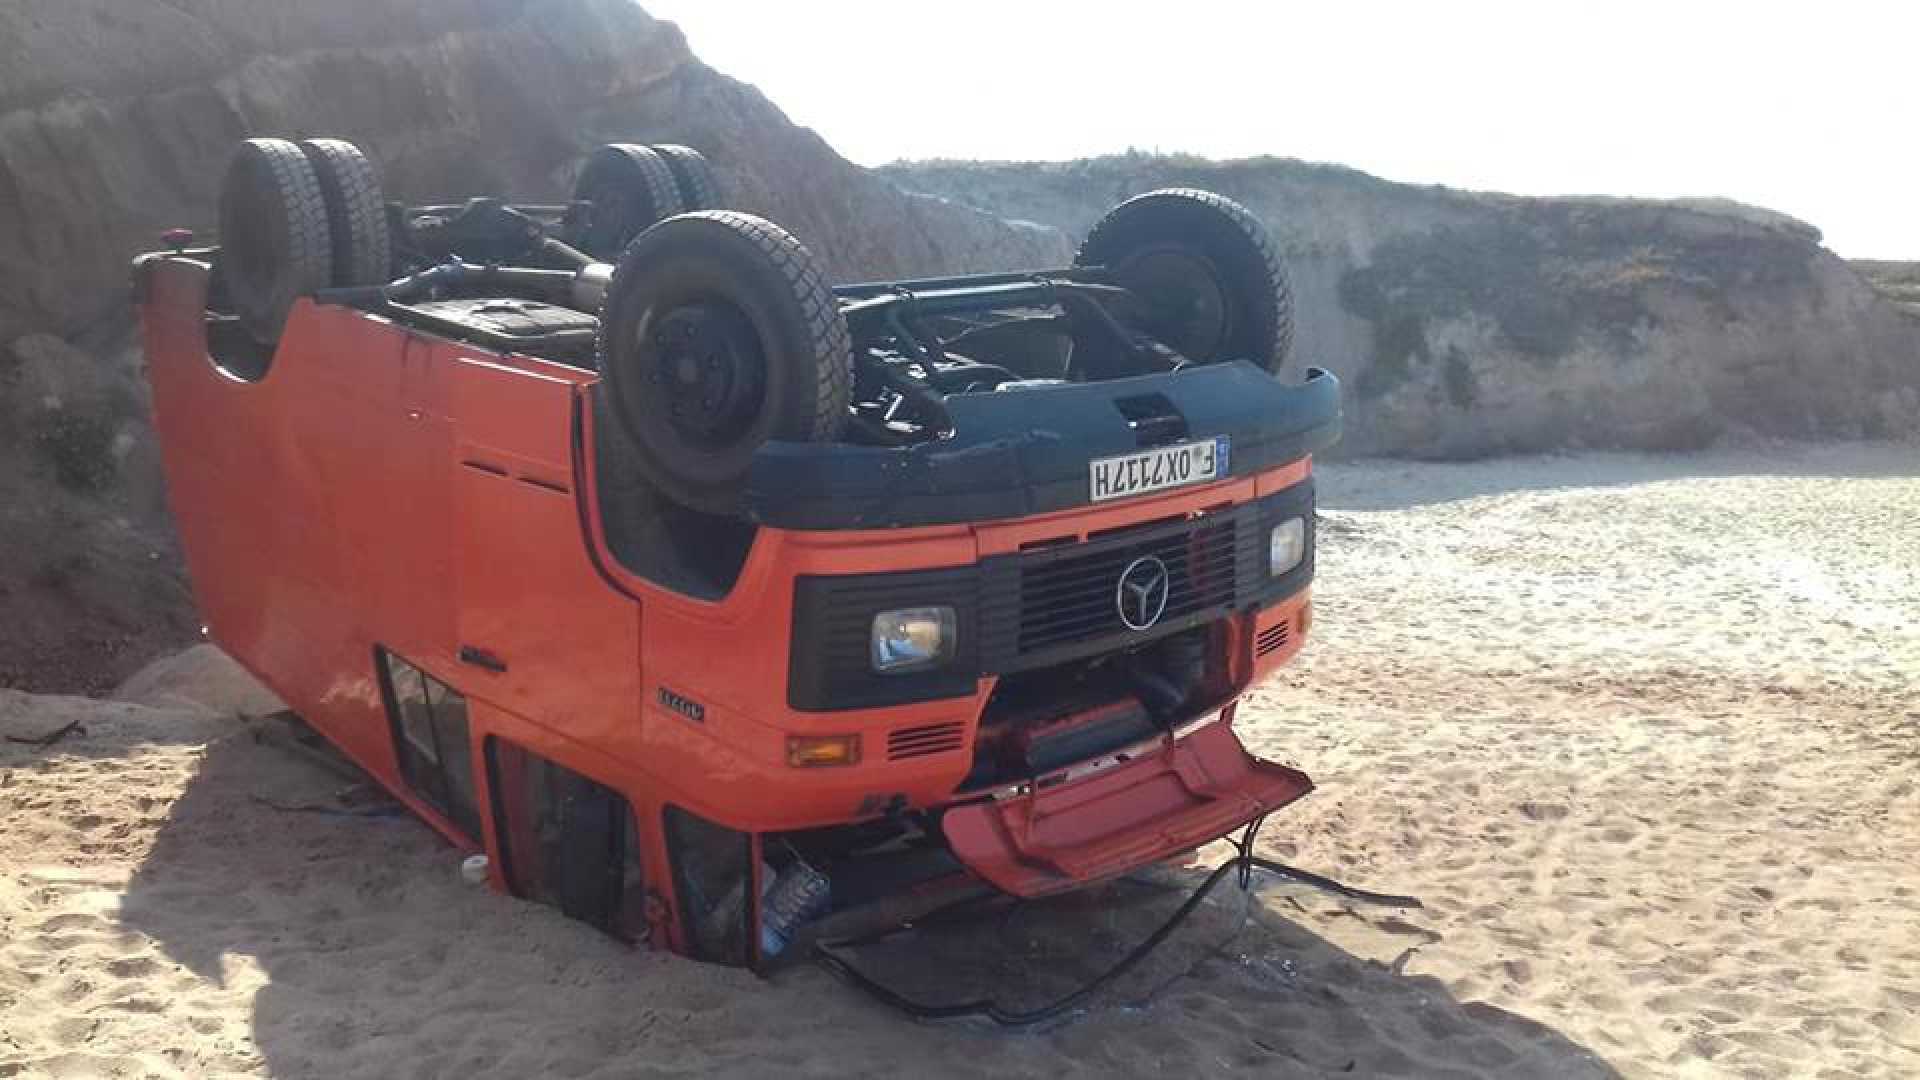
(809, 751)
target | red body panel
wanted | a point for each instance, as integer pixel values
(380, 488)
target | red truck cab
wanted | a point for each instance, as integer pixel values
(1008, 656)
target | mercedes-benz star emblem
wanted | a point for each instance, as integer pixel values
(1141, 594)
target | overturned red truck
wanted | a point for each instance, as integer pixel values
(706, 597)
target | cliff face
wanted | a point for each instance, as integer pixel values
(116, 121)
(1468, 324)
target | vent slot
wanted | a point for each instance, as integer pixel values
(1050, 542)
(545, 485)
(1273, 638)
(1154, 419)
(929, 739)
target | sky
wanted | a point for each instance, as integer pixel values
(1810, 108)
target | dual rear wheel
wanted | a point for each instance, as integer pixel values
(630, 187)
(294, 219)
(277, 244)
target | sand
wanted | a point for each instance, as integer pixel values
(1640, 732)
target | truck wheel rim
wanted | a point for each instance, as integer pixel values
(707, 372)
(1185, 304)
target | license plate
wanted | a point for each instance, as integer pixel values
(1158, 469)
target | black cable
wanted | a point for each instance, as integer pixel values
(938, 916)
(1245, 848)
(1327, 884)
(990, 1009)
(1244, 863)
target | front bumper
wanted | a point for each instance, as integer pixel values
(1026, 452)
(1041, 839)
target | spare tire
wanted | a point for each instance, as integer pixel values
(1206, 276)
(699, 190)
(719, 333)
(274, 242)
(630, 187)
(356, 212)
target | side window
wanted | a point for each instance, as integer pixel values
(713, 875)
(430, 735)
(568, 841)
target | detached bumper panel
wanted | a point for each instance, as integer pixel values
(1172, 800)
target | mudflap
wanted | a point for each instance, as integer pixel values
(1052, 838)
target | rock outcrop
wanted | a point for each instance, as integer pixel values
(1897, 281)
(1469, 324)
(116, 120)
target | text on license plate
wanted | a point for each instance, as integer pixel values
(1159, 468)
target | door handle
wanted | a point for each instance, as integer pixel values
(481, 658)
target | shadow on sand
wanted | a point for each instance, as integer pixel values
(378, 961)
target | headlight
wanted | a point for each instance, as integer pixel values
(1286, 546)
(912, 639)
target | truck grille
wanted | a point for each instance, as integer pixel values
(1050, 604)
(1067, 599)
(1061, 602)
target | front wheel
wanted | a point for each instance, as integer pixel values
(1205, 276)
(719, 334)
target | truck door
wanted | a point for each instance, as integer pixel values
(543, 634)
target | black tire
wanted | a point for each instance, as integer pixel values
(1206, 272)
(356, 212)
(744, 343)
(699, 190)
(630, 187)
(275, 246)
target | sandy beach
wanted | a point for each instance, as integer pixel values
(1640, 732)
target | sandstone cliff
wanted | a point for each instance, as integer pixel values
(116, 120)
(1470, 323)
